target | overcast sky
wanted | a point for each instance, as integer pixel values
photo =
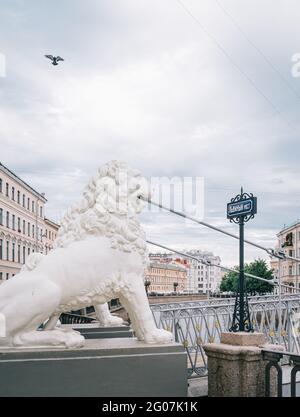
(175, 88)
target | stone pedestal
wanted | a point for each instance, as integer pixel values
(95, 331)
(236, 367)
(115, 367)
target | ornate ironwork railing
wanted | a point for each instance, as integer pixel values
(273, 357)
(70, 318)
(196, 323)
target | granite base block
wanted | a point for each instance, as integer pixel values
(95, 331)
(118, 367)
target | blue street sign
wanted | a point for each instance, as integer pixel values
(241, 208)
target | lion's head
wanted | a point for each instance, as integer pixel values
(108, 208)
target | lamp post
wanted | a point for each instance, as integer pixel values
(241, 209)
(147, 284)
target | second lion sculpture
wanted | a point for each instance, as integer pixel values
(99, 254)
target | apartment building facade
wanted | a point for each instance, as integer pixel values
(288, 241)
(166, 277)
(23, 225)
(201, 277)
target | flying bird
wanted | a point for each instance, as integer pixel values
(54, 59)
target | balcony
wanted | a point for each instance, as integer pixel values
(288, 242)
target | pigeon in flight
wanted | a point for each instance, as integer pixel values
(54, 59)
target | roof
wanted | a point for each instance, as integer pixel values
(290, 226)
(52, 223)
(167, 266)
(20, 181)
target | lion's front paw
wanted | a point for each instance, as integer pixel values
(112, 321)
(158, 336)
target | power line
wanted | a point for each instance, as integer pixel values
(271, 251)
(266, 59)
(208, 263)
(217, 43)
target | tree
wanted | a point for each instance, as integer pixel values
(254, 286)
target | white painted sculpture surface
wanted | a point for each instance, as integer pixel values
(100, 254)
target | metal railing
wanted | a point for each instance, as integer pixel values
(70, 318)
(196, 323)
(273, 357)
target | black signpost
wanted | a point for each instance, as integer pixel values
(242, 208)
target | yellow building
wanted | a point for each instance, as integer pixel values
(22, 223)
(162, 276)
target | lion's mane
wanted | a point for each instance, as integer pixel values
(103, 211)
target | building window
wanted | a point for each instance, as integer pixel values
(19, 254)
(19, 225)
(41, 211)
(28, 229)
(1, 276)
(13, 222)
(24, 227)
(28, 251)
(23, 200)
(33, 230)
(13, 252)
(18, 197)
(7, 250)
(28, 203)
(7, 189)
(290, 270)
(0, 185)
(24, 256)
(13, 193)
(1, 216)
(32, 208)
(7, 275)
(7, 219)
(1, 249)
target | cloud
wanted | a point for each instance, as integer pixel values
(143, 82)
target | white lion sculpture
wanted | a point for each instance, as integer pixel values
(100, 254)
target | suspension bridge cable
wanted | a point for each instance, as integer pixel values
(270, 251)
(208, 263)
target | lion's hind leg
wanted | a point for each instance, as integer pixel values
(29, 309)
